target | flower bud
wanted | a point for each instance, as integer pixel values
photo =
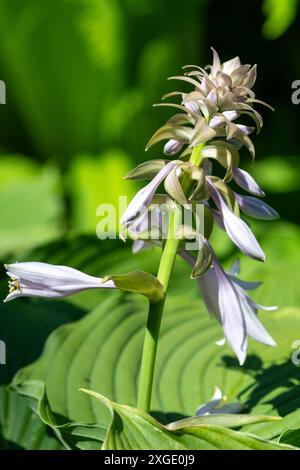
(172, 147)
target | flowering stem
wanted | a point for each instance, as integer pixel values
(155, 314)
(156, 309)
(196, 156)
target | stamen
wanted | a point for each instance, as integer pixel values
(14, 284)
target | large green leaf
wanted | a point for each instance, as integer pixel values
(72, 435)
(91, 184)
(102, 350)
(139, 428)
(24, 327)
(292, 437)
(132, 429)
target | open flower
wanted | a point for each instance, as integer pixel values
(226, 299)
(236, 311)
(35, 279)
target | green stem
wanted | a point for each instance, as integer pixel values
(156, 309)
(155, 314)
(196, 156)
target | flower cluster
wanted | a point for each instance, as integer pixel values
(208, 112)
(204, 132)
(203, 135)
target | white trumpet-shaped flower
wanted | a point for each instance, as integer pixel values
(35, 279)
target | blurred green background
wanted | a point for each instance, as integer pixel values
(81, 77)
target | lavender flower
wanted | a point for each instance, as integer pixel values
(247, 182)
(172, 147)
(227, 300)
(35, 279)
(236, 228)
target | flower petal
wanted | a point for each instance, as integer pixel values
(232, 317)
(218, 218)
(251, 77)
(208, 284)
(246, 285)
(48, 274)
(230, 65)
(254, 327)
(174, 188)
(143, 198)
(245, 129)
(216, 66)
(172, 147)
(256, 306)
(247, 182)
(235, 267)
(256, 208)
(141, 245)
(231, 115)
(236, 228)
(37, 279)
(232, 306)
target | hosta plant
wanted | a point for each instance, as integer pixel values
(204, 185)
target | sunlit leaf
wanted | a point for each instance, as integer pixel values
(71, 435)
(30, 203)
(102, 351)
(132, 429)
(96, 180)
